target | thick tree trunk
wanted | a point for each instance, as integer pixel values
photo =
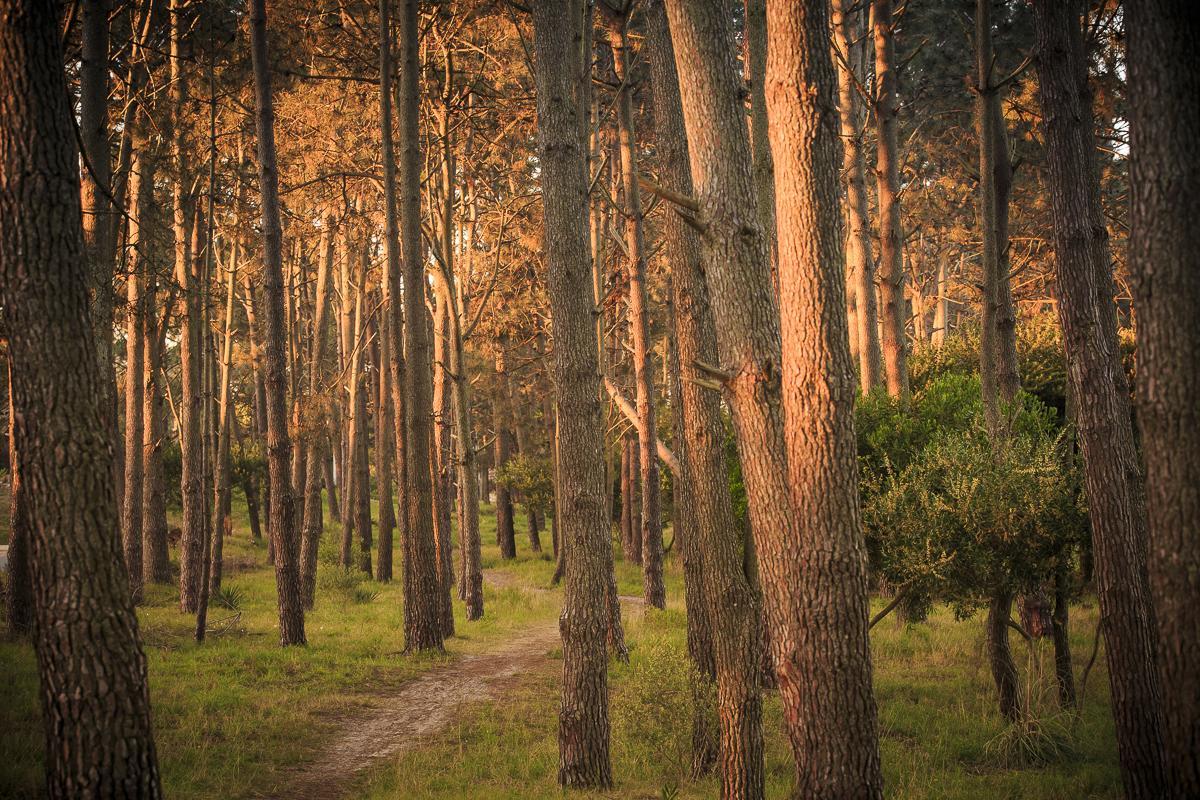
(421, 624)
(894, 310)
(583, 734)
(818, 611)
(723, 621)
(94, 691)
(282, 511)
(1164, 141)
(650, 529)
(860, 264)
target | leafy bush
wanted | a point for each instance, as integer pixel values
(966, 515)
(345, 585)
(532, 480)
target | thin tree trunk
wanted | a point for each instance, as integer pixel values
(383, 454)
(1164, 140)
(156, 560)
(1064, 670)
(1004, 669)
(819, 611)
(440, 470)
(282, 511)
(358, 460)
(860, 264)
(141, 192)
(723, 622)
(222, 521)
(887, 172)
(85, 630)
(502, 448)
(19, 586)
(314, 515)
(583, 734)
(650, 530)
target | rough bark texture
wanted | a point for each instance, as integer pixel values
(282, 525)
(816, 581)
(583, 734)
(422, 630)
(503, 451)
(156, 559)
(1000, 659)
(1165, 137)
(383, 455)
(92, 672)
(760, 142)
(893, 308)
(18, 587)
(860, 264)
(723, 622)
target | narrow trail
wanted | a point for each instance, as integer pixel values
(399, 720)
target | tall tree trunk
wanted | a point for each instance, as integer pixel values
(94, 693)
(650, 530)
(1064, 671)
(282, 512)
(760, 142)
(628, 454)
(822, 650)
(999, 377)
(421, 625)
(1164, 140)
(383, 454)
(222, 521)
(723, 623)
(358, 461)
(96, 190)
(583, 734)
(314, 522)
(860, 264)
(156, 559)
(440, 467)
(502, 447)
(141, 193)
(887, 172)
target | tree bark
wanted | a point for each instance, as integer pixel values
(760, 142)
(222, 521)
(1164, 140)
(1004, 669)
(93, 685)
(583, 734)
(816, 583)
(723, 621)
(383, 454)
(887, 173)
(314, 522)
(19, 586)
(156, 559)
(282, 511)
(502, 449)
(421, 623)
(859, 261)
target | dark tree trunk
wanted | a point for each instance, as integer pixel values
(383, 455)
(314, 514)
(1004, 669)
(156, 558)
(94, 691)
(421, 622)
(282, 526)
(583, 734)
(1064, 671)
(502, 447)
(1164, 140)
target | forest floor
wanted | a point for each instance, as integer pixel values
(350, 716)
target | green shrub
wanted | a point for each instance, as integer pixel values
(531, 478)
(345, 585)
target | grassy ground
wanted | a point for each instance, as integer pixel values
(233, 715)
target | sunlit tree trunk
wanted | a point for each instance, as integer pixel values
(93, 685)
(860, 264)
(893, 310)
(1164, 140)
(819, 611)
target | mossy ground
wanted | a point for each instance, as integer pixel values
(233, 715)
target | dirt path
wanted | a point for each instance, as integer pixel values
(399, 720)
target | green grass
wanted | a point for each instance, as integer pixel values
(233, 715)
